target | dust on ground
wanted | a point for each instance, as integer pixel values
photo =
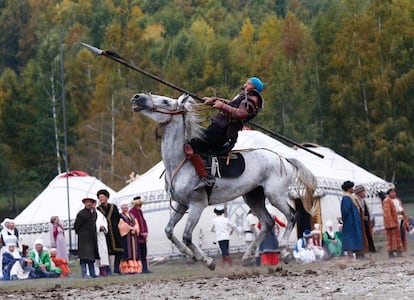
(376, 277)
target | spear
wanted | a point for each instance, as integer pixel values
(114, 56)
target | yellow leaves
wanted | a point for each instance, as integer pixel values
(247, 34)
(154, 32)
(136, 11)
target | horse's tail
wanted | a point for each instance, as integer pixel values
(304, 186)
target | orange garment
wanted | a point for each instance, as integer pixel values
(130, 266)
(63, 265)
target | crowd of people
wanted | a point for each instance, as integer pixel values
(113, 241)
(109, 242)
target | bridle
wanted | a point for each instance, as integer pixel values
(163, 110)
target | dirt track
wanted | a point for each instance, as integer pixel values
(336, 279)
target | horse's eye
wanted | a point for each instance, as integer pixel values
(165, 102)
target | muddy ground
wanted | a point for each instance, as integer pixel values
(377, 277)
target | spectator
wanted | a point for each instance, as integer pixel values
(250, 227)
(410, 220)
(331, 240)
(352, 238)
(8, 229)
(42, 262)
(60, 262)
(315, 244)
(129, 229)
(250, 233)
(113, 238)
(367, 229)
(223, 228)
(303, 252)
(395, 223)
(85, 228)
(57, 237)
(14, 266)
(136, 211)
(269, 247)
(101, 264)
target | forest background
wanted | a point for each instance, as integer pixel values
(339, 73)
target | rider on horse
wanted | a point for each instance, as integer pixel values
(221, 135)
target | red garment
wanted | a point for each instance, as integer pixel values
(269, 259)
(137, 213)
(63, 265)
(316, 241)
(56, 231)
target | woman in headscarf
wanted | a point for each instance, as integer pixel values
(57, 238)
(331, 240)
(129, 230)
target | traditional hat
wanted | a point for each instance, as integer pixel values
(219, 210)
(103, 192)
(124, 202)
(85, 199)
(359, 188)
(258, 84)
(347, 185)
(138, 200)
(53, 218)
(391, 188)
(10, 240)
(328, 223)
(315, 231)
(38, 241)
(6, 220)
(307, 233)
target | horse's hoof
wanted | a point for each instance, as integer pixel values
(287, 258)
(211, 266)
(248, 256)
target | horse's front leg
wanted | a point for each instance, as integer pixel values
(192, 220)
(177, 214)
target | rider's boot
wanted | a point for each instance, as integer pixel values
(207, 180)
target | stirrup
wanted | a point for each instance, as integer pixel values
(207, 181)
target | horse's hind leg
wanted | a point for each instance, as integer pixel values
(256, 201)
(290, 214)
(176, 215)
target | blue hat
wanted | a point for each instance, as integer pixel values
(307, 233)
(258, 84)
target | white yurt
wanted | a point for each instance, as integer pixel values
(63, 198)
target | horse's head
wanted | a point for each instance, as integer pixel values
(162, 109)
(159, 108)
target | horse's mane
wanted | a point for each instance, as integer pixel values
(192, 119)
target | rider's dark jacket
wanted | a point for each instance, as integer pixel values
(222, 133)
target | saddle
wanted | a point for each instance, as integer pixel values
(228, 165)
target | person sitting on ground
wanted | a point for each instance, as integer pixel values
(14, 266)
(60, 262)
(303, 252)
(331, 240)
(42, 263)
(315, 244)
(225, 125)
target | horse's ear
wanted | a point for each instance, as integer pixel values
(184, 98)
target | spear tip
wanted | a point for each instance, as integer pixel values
(93, 49)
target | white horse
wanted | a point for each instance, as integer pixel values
(267, 175)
